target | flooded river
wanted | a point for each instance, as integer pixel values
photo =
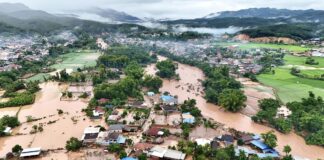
(190, 87)
(57, 128)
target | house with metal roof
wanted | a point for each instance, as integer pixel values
(164, 153)
(30, 152)
(90, 134)
(116, 128)
(169, 100)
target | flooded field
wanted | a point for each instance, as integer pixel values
(190, 77)
(254, 92)
(57, 128)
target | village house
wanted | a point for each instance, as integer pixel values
(164, 153)
(90, 134)
(227, 139)
(98, 112)
(169, 108)
(107, 138)
(154, 131)
(116, 128)
(202, 141)
(131, 128)
(168, 100)
(283, 112)
(188, 118)
(246, 139)
(113, 118)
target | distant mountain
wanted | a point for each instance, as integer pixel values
(106, 15)
(18, 18)
(309, 15)
(12, 7)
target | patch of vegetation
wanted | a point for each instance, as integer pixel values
(307, 118)
(73, 144)
(167, 69)
(268, 114)
(311, 61)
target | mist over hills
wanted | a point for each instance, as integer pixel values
(258, 22)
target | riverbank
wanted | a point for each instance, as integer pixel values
(192, 76)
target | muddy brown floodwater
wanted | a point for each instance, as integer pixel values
(190, 79)
(69, 124)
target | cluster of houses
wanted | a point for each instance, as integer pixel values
(104, 138)
(252, 145)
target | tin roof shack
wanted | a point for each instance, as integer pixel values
(90, 134)
(30, 152)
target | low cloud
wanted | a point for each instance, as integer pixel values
(174, 9)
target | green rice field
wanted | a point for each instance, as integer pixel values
(289, 87)
(246, 46)
(71, 61)
(295, 60)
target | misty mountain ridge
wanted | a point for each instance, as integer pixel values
(309, 15)
(111, 14)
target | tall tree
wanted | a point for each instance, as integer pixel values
(232, 100)
(270, 139)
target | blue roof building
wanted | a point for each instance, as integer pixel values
(170, 100)
(129, 158)
(260, 145)
(121, 139)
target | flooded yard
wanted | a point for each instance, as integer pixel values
(58, 128)
(191, 75)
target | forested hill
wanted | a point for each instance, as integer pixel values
(296, 31)
(309, 15)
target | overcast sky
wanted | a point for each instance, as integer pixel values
(169, 8)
